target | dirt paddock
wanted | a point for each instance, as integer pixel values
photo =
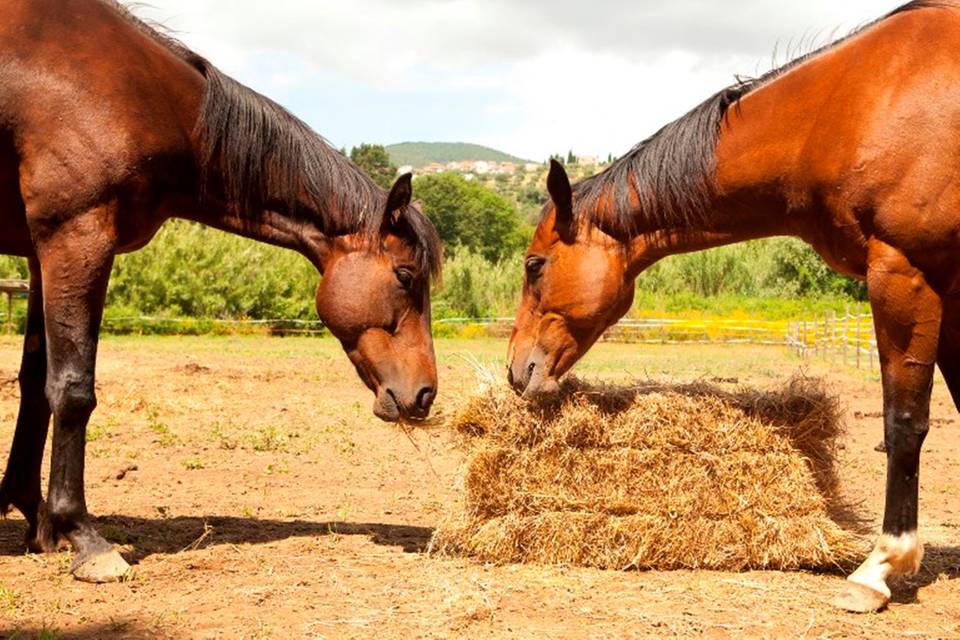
(259, 498)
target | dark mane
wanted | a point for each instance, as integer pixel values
(670, 177)
(260, 155)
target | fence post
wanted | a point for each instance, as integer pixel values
(846, 334)
(815, 336)
(859, 322)
(826, 331)
(834, 343)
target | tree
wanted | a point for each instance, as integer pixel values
(571, 159)
(375, 162)
(468, 215)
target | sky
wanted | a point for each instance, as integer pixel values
(529, 77)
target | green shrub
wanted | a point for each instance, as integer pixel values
(470, 215)
(474, 287)
(773, 268)
(197, 272)
(13, 268)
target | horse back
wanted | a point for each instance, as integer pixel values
(94, 107)
(862, 141)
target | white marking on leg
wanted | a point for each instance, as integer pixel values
(893, 555)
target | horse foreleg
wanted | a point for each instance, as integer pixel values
(75, 261)
(21, 481)
(908, 316)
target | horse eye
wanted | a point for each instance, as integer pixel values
(405, 277)
(535, 267)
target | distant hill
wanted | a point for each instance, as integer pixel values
(420, 154)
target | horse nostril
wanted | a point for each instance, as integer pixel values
(425, 398)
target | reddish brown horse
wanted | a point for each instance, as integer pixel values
(855, 149)
(107, 129)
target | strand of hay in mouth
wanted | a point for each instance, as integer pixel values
(653, 476)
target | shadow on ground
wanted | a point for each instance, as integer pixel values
(164, 536)
(939, 563)
(129, 630)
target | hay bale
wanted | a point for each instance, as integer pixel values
(653, 477)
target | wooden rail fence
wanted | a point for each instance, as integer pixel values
(662, 330)
(847, 338)
(12, 289)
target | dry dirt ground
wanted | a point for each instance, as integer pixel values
(258, 498)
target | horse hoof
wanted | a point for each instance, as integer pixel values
(100, 568)
(857, 598)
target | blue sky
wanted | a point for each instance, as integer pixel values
(530, 78)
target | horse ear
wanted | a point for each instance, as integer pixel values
(398, 200)
(558, 184)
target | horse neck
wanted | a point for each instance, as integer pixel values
(300, 230)
(755, 194)
(274, 180)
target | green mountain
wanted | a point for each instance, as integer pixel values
(420, 154)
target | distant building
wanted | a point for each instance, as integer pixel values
(530, 167)
(405, 169)
(588, 161)
(473, 168)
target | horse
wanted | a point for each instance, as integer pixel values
(853, 148)
(108, 128)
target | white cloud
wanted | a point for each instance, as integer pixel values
(527, 76)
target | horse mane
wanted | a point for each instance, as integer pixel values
(668, 180)
(260, 155)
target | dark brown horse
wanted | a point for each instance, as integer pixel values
(855, 149)
(107, 129)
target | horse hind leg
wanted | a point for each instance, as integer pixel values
(20, 488)
(949, 356)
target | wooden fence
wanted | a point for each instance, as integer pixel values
(847, 338)
(660, 330)
(12, 289)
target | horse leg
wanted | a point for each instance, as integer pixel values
(949, 358)
(908, 316)
(21, 481)
(75, 261)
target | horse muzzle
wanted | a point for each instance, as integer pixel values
(530, 376)
(394, 404)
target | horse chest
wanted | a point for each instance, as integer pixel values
(842, 246)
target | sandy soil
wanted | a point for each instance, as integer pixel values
(259, 498)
